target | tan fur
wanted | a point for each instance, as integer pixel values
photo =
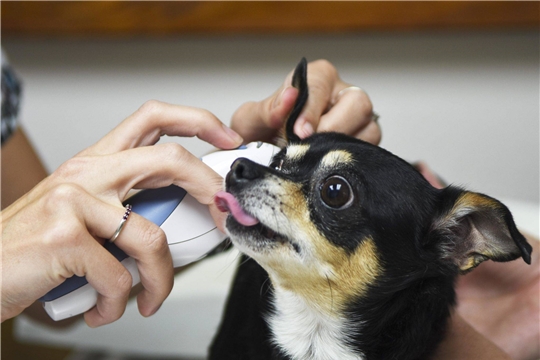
(324, 275)
(297, 152)
(336, 157)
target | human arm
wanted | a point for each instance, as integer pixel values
(502, 302)
(21, 167)
(463, 342)
(57, 229)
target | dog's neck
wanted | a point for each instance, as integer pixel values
(304, 332)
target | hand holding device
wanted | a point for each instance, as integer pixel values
(188, 225)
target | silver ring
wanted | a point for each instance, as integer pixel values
(122, 223)
(375, 117)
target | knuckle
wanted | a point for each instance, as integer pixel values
(150, 108)
(361, 104)
(71, 168)
(326, 66)
(365, 107)
(62, 195)
(153, 239)
(206, 115)
(124, 282)
(174, 152)
(64, 228)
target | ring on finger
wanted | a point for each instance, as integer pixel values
(375, 117)
(122, 223)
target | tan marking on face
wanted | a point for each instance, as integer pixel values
(325, 275)
(333, 279)
(336, 157)
(296, 152)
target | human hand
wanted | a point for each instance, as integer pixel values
(57, 229)
(333, 105)
(501, 301)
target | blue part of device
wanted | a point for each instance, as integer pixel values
(155, 205)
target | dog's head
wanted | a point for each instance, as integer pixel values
(333, 217)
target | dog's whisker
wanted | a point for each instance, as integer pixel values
(268, 288)
(331, 292)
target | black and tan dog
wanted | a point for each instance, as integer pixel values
(358, 253)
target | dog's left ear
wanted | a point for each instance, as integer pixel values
(472, 228)
(299, 81)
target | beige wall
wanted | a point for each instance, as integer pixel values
(467, 103)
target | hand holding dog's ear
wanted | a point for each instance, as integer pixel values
(327, 109)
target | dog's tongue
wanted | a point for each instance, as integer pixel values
(227, 202)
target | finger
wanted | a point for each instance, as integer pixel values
(219, 217)
(261, 120)
(148, 167)
(110, 279)
(147, 244)
(371, 133)
(155, 119)
(76, 251)
(143, 241)
(317, 103)
(323, 80)
(351, 113)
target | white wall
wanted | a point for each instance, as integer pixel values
(467, 103)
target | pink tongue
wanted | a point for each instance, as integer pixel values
(227, 202)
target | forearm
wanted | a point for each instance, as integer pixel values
(21, 168)
(463, 342)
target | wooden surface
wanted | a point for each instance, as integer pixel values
(131, 18)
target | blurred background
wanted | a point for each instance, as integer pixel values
(456, 85)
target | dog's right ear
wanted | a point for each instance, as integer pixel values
(299, 81)
(472, 228)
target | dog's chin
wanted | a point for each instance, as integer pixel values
(258, 239)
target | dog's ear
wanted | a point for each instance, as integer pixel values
(299, 81)
(471, 228)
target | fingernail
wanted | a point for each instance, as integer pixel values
(153, 311)
(304, 128)
(278, 99)
(233, 134)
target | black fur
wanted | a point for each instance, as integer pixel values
(299, 81)
(421, 234)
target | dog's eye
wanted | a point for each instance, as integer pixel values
(276, 164)
(336, 192)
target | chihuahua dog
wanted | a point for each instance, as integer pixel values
(351, 253)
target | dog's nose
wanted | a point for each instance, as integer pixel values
(243, 170)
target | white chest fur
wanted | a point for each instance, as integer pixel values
(303, 332)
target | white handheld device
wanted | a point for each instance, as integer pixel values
(188, 225)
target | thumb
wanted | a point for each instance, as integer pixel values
(262, 120)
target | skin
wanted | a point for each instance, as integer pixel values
(501, 301)
(91, 197)
(326, 110)
(21, 168)
(56, 230)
